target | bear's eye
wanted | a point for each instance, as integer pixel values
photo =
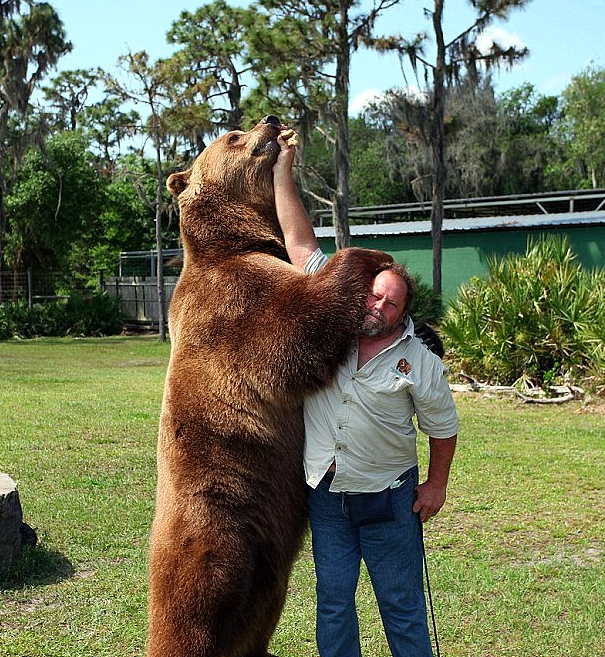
(233, 138)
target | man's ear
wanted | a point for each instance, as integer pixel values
(177, 182)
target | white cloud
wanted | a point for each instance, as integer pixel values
(362, 100)
(414, 92)
(500, 36)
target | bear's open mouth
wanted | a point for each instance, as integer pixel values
(270, 146)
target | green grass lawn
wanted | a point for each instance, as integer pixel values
(516, 557)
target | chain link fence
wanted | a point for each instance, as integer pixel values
(34, 287)
(144, 263)
(135, 286)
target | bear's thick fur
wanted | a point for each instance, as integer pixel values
(251, 336)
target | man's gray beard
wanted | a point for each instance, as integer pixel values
(379, 330)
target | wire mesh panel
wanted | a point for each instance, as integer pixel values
(144, 263)
(35, 286)
(13, 286)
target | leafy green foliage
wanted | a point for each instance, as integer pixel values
(525, 140)
(428, 304)
(583, 103)
(82, 314)
(54, 202)
(505, 145)
(539, 316)
(372, 181)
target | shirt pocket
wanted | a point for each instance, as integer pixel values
(390, 395)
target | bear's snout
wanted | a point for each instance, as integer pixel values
(264, 136)
(272, 120)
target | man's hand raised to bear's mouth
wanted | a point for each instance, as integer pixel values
(289, 137)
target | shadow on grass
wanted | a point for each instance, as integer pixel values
(38, 566)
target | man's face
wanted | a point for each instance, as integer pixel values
(385, 305)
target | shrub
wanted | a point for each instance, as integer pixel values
(93, 314)
(83, 314)
(428, 305)
(539, 317)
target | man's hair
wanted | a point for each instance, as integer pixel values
(407, 278)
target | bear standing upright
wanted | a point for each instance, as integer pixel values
(251, 336)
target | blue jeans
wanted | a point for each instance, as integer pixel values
(392, 552)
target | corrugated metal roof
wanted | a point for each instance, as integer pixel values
(577, 200)
(474, 224)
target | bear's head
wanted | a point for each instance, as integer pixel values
(238, 163)
(229, 188)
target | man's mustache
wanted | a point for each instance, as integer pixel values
(375, 313)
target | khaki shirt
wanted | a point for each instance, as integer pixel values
(363, 420)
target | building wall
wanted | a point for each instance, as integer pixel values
(465, 253)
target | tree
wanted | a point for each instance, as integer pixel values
(210, 65)
(296, 54)
(451, 58)
(372, 179)
(122, 223)
(31, 43)
(526, 140)
(107, 125)
(149, 88)
(583, 109)
(323, 37)
(54, 204)
(68, 94)
(510, 144)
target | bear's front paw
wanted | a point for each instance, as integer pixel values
(370, 259)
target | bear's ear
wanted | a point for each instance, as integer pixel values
(177, 182)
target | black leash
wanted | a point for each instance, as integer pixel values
(428, 587)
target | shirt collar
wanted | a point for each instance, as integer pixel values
(408, 332)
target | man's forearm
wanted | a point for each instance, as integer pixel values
(295, 224)
(430, 496)
(440, 460)
(294, 221)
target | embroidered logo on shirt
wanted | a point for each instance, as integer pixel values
(403, 366)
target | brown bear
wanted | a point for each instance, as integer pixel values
(251, 336)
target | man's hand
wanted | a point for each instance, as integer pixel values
(282, 169)
(289, 136)
(430, 496)
(429, 500)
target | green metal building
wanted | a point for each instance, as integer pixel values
(473, 231)
(468, 243)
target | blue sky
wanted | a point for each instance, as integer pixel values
(563, 36)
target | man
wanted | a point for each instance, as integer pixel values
(360, 454)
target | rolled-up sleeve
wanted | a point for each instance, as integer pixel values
(433, 402)
(316, 261)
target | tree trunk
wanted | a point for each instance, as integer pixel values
(158, 239)
(2, 232)
(438, 145)
(341, 148)
(3, 128)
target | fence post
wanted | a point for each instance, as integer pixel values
(30, 287)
